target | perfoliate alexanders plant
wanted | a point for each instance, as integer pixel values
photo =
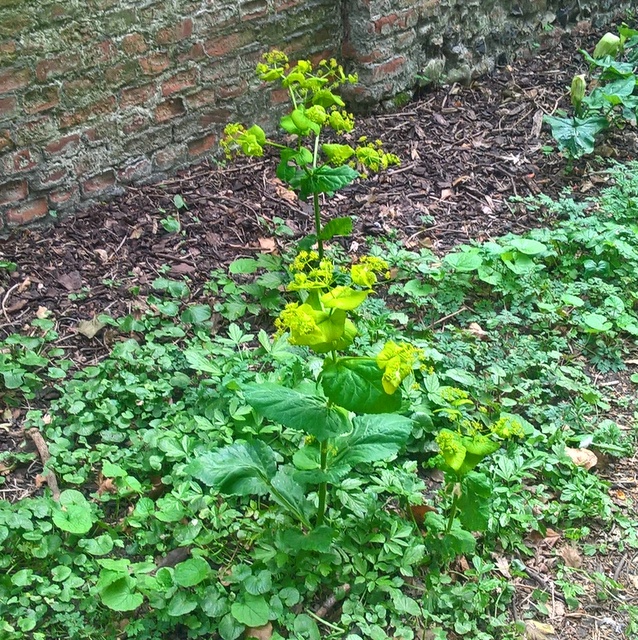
(352, 418)
(310, 165)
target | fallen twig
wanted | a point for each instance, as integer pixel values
(43, 450)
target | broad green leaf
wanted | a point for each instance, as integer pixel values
(191, 572)
(325, 179)
(336, 227)
(310, 414)
(318, 539)
(99, 546)
(110, 470)
(196, 314)
(258, 584)
(374, 437)
(527, 246)
(198, 361)
(240, 469)
(181, 604)
(290, 495)
(345, 298)
(474, 501)
(355, 384)
(13, 379)
(576, 136)
(596, 322)
(229, 628)
(243, 266)
(464, 261)
(73, 513)
(118, 595)
(572, 301)
(253, 611)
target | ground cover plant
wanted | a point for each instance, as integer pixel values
(424, 438)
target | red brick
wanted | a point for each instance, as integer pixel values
(51, 67)
(6, 143)
(169, 157)
(28, 212)
(202, 98)
(155, 63)
(52, 177)
(283, 5)
(135, 123)
(217, 116)
(12, 192)
(134, 43)
(169, 109)
(179, 82)
(232, 90)
(99, 108)
(135, 96)
(7, 106)
(13, 79)
(141, 168)
(66, 145)
(218, 47)
(23, 160)
(99, 184)
(41, 100)
(202, 146)
(175, 33)
(196, 52)
(389, 68)
(63, 196)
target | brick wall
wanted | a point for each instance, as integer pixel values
(98, 94)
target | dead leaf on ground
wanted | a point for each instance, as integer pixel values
(260, 633)
(571, 557)
(582, 457)
(71, 281)
(477, 331)
(268, 245)
(182, 268)
(446, 194)
(42, 313)
(90, 328)
(102, 255)
(283, 192)
(503, 565)
(535, 630)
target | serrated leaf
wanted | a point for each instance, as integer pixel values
(374, 437)
(253, 611)
(240, 469)
(191, 572)
(196, 314)
(355, 384)
(243, 266)
(318, 539)
(325, 179)
(295, 410)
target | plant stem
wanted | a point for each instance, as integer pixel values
(315, 202)
(323, 487)
(453, 510)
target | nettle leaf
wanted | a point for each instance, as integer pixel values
(356, 384)
(474, 501)
(240, 469)
(336, 227)
(289, 494)
(253, 611)
(73, 513)
(374, 437)
(196, 314)
(243, 266)
(191, 572)
(310, 414)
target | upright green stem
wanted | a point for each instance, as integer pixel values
(323, 487)
(315, 202)
(453, 510)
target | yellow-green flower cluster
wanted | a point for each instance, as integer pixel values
(249, 141)
(372, 156)
(341, 121)
(396, 361)
(273, 67)
(310, 273)
(365, 272)
(507, 427)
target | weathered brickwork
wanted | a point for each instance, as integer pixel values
(98, 94)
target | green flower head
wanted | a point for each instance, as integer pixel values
(396, 361)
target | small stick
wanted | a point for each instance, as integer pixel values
(4, 301)
(43, 450)
(330, 602)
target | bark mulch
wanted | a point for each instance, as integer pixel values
(465, 151)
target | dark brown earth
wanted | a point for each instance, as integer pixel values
(465, 152)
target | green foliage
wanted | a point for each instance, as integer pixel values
(612, 102)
